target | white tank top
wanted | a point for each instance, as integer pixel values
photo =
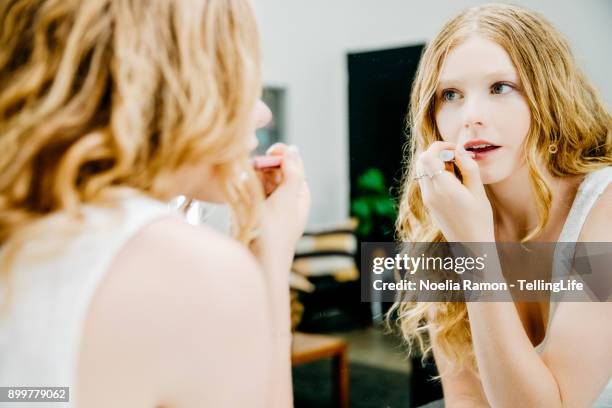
(53, 284)
(593, 185)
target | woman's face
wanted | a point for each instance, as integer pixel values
(480, 105)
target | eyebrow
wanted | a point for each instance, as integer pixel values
(495, 74)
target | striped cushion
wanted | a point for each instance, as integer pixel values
(328, 251)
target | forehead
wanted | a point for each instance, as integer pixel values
(475, 58)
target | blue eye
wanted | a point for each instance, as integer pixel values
(501, 88)
(449, 95)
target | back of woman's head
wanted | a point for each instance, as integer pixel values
(98, 95)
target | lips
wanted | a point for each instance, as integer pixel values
(482, 149)
(479, 146)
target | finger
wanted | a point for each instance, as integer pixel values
(425, 166)
(469, 170)
(292, 166)
(426, 188)
(436, 147)
(428, 164)
(438, 176)
(423, 170)
(430, 158)
(442, 182)
(435, 189)
(433, 160)
(291, 176)
(277, 149)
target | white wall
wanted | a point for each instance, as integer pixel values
(305, 45)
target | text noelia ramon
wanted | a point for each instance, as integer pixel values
(469, 285)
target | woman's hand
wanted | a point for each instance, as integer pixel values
(461, 211)
(283, 221)
(288, 197)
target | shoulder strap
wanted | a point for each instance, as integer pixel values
(590, 189)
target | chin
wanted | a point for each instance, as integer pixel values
(492, 176)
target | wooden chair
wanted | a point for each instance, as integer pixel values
(310, 347)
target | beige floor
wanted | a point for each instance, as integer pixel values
(371, 346)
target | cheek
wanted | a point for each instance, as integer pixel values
(205, 185)
(448, 122)
(515, 118)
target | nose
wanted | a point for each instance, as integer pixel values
(263, 114)
(473, 112)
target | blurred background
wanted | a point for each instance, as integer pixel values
(337, 76)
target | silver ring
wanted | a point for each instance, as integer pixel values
(431, 176)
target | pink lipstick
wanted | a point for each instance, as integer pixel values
(266, 162)
(480, 147)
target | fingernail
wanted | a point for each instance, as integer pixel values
(294, 151)
(446, 155)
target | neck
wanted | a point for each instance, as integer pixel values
(515, 211)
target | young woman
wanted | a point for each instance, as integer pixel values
(108, 108)
(532, 139)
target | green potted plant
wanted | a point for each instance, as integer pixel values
(373, 207)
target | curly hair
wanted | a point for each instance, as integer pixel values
(103, 98)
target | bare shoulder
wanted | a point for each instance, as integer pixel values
(575, 321)
(180, 302)
(598, 225)
(175, 236)
(186, 258)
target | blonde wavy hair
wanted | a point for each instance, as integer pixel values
(566, 111)
(103, 98)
